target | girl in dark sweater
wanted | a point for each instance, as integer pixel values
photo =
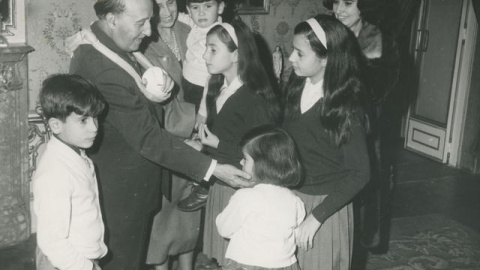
(324, 115)
(238, 97)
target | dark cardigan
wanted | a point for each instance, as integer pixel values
(241, 112)
(339, 172)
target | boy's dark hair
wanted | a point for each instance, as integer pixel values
(275, 155)
(62, 94)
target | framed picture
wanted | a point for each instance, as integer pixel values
(253, 6)
(12, 20)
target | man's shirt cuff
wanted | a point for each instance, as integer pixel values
(210, 170)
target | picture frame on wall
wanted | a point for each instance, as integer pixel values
(12, 26)
(253, 6)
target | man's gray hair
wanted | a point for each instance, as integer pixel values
(103, 7)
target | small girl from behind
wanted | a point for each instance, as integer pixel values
(260, 221)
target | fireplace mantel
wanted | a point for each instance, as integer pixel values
(14, 171)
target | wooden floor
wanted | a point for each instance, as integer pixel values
(422, 187)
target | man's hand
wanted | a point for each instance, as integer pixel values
(232, 176)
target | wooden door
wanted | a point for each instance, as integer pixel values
(437, 43)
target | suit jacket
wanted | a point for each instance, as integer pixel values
(132, 145)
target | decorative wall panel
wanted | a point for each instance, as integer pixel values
(49, 22)
(14, 180)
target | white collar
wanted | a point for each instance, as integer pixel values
(226, 91)
(311, 94)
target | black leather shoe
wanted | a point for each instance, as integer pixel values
(193, 202)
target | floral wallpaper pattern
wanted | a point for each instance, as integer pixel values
(49, 22)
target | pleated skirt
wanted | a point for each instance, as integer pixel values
(234, 265)
(214, 245)
(173, 232)
(333, 243)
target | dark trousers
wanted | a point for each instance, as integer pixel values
(126, 240)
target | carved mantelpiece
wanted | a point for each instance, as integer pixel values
(14, 169)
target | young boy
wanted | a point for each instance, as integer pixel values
(70, 229)
(202, 16)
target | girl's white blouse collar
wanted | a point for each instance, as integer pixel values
(226, 91)
(311, 94)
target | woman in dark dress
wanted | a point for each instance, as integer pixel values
(367, 20)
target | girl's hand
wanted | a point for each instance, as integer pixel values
(305, 233)
(207, 137)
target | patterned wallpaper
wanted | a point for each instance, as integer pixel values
(49, 22)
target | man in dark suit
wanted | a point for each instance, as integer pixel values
(133, 146)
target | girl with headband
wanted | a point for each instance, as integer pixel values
(324, 114)
(237, 98)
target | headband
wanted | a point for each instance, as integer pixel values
(318, 30)
(230, 31)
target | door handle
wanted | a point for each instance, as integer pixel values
(425, 39)
(418, 41)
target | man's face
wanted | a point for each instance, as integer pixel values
(131, 26)
(205, 14)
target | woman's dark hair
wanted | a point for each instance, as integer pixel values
(103, 7)
(250, 69)
(372, 11)
(275, 155)
(62, 94)
(342, 85)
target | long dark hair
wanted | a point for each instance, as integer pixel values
(342, 85)
(250, 69)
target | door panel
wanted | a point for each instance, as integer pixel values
(437, 60)
(436, 56)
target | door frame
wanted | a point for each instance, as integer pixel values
(444, 144)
